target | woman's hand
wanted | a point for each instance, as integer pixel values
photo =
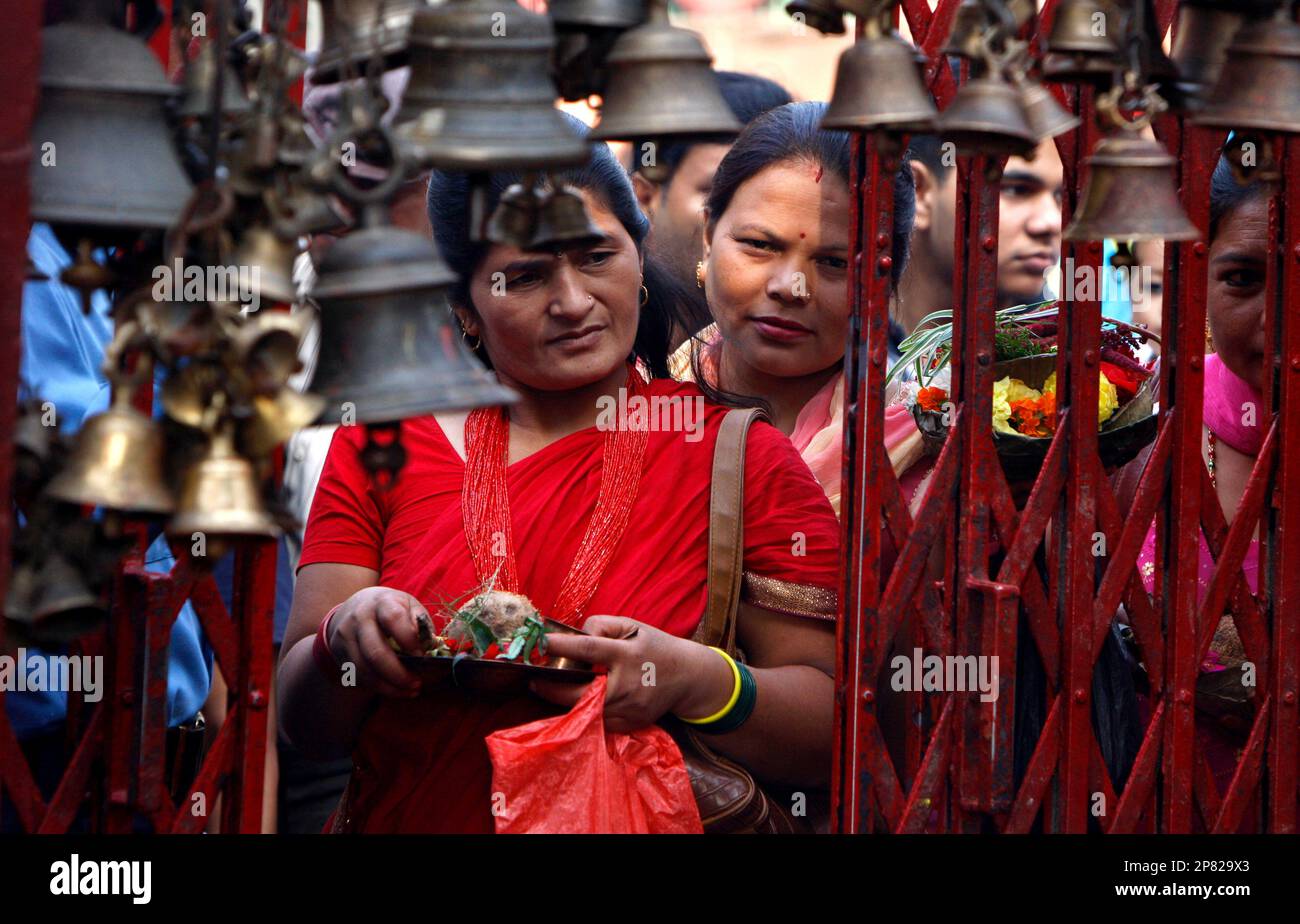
(359, 634)
(650, 672)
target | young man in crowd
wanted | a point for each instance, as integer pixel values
(1029, 236)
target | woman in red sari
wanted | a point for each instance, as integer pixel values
(601, 528)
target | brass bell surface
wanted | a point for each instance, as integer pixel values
(1201, 38)
(388, 346)
(116, 462)
(274, 258)
(266, 348)
(1259, 84)
(1130, 194)
(102, 152)
(221, 496)
(822, 15)
(480, 96)
(63, 606)
(563, 223)
(355, 31)
(200, 75)
(660, 85)
(1047, 118)
(987, 116)
(877, 86)
(966, 37)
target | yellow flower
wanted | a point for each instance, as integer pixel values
(1107, 397)
(1006, 390)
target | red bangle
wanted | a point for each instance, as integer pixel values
(320, 648)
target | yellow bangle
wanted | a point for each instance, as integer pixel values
(735, 693)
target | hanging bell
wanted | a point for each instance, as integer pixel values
(596, 14)
(514, 220)
(1083, 46)
(563, 223)
(52, 604)
(966, 37)
(270, 260)
(1130, 195)
(480, 96)
(878, 87)
(822, 15)
(353, 32)
(388, 347)
(200, 75)
(1047, 118)
(274, 419)
(1202, 34)
(265, 348)
(116, 462)
(660, 85)
(220, 496)
(103, 157)
(987, 116)
(1259, 85)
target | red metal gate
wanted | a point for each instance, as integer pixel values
(955, 769)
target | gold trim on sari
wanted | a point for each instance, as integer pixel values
(790, 598)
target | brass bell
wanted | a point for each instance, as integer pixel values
(1201, 37)
(1047, 118)
(103, 157)
(271, 260)
(1083, 46)
(987, 116)
(221, 496)
(480, 96)
(86, 274)
(562, 222)
(588, 14)
(355, 31)
(966, 37)
(116, 462)
(514, 220)
(1259, 85)
(1124, 171)
(276, 418)
(200, 75)
(265, 347)
(822, 15)
(878, 86)
(660, 85)
(52, 604)
(388, 346)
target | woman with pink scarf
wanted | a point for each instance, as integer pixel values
(776, 274)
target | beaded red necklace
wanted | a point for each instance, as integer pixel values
(485, 505)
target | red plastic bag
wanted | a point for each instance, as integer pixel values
(566, 775)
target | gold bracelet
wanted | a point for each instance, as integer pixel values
(735, 693)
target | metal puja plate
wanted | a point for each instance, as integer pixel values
(487, 675)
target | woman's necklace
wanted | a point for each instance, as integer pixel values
(485, 505)
(1214, 482)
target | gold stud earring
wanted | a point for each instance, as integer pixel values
(699, 273)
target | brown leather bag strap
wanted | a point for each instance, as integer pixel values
(726, 530)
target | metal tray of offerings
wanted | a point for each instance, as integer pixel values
(494, 675)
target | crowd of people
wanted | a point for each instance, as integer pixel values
(726, 280)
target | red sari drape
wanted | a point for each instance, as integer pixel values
(421, 765)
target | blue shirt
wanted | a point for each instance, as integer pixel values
(61, 358)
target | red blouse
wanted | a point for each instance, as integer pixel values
(412, 751)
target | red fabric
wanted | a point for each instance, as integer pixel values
(422, 764)
(566, 775)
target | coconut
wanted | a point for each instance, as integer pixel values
(501, 611)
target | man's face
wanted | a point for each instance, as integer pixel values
(677, 215)
(1029, 234)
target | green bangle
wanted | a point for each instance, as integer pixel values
(741, 711)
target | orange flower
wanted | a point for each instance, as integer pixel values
(931, 399)
(1028, 416)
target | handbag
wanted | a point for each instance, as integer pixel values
(730, 800)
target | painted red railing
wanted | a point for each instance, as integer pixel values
(954, 770)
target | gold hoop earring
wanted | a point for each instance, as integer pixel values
(645, 296)
(699, 273)
(478, 341)
(1209, 337)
